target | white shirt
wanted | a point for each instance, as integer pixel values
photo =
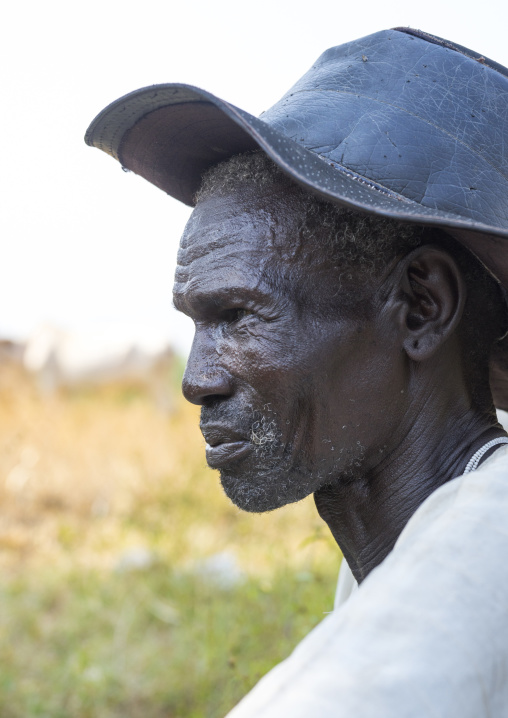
(426, 634)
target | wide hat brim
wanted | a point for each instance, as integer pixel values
(171, 134)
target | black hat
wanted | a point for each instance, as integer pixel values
(400, 123)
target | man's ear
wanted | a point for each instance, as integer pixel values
(432, 293)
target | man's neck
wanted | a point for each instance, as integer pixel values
(367, 514)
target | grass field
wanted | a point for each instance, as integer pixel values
(130, 586)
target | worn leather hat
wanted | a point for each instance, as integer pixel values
(399, 123)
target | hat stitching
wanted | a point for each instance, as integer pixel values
(364, 180)
(336, 166)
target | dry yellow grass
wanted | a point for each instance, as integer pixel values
(85, 476)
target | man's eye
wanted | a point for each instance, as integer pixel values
(230, 316)
(236, 314)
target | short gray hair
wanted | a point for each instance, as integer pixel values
(363, 241)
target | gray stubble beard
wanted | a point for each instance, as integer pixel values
(273, 478)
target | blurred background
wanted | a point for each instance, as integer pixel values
(129, 585)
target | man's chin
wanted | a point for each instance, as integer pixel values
(259, 493)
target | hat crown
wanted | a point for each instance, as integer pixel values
(418, 117)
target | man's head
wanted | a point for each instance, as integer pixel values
(313, 323)
(390, 148)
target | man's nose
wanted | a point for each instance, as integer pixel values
(204, 378)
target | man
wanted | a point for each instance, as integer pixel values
(346, 268)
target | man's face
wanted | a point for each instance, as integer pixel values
(292, 398)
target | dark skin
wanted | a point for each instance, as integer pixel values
(366, 407)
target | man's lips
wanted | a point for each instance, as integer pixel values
(222, 454)
(223, 445)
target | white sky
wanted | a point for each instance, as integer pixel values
(84, 244)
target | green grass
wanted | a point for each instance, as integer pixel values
(152, 644)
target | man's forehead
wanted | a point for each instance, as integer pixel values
(227, 243)
(221, 222)
(250, 221)
(251, 239)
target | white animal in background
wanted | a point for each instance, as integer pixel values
(60, 358)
